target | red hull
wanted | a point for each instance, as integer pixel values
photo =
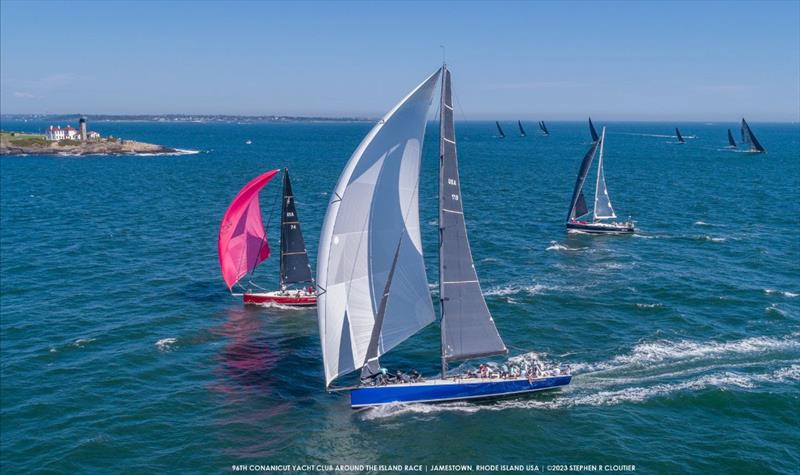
(303, 300)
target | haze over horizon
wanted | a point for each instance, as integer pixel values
(705, 61)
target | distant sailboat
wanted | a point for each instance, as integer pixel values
(243, 245)
(602, 202)
(593, 131)
(500, 130)
(373, 287)
(680, 137)
(731, 142)
(248, 142)
(749, 138)
(521, 130)
(543, 128)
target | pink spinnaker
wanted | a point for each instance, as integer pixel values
(242, 241)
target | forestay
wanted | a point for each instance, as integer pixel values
(373, 208)
(468, 330)
(602, 202)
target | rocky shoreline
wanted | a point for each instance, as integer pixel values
(22, 143)
(125, 147)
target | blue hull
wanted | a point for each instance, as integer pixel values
(433, 391)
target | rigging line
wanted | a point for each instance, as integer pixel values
(266, 228)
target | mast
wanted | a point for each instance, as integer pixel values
(599, 174)
(468, 330)
(294, 265)
(602, 202)
(442, 106)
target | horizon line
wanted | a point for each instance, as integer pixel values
(344, 118)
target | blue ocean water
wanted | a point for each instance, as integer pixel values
(122, 350)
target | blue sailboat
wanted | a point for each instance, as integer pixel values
(373, 288)
(521, 130)
(679, 136)
(731, 142)
(749, 138)
(543, 128)
(500, 130)
(602, 202)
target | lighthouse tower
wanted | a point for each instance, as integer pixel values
(83, 128)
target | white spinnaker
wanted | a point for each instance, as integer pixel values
(602, 202)
(375, 202)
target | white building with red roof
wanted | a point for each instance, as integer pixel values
(58, 133)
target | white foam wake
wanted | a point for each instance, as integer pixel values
(535, 289)
(576, 396)
(647, 354)
(556, 246)
(785, 294)
(166, 344)
(178, 151)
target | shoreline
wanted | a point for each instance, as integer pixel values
(21, 144)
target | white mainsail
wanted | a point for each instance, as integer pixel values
(375, 207)
(602, 202)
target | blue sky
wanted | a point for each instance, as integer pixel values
(527, 60)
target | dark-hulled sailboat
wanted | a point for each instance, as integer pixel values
(680, 137)
(543, 128)
(593, 131)
(243, 246)
(749, 138)
(500, 130)
(521, 130)
(602, 203)
(731, 142)
(373, 289)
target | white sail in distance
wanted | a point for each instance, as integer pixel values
(602, 202)
(375, 206)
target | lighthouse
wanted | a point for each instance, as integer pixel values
(83, 128)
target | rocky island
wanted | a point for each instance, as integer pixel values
(15, 143)
(71, 141)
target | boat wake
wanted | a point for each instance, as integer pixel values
(178, 151)
(648, 371)
(658, 353)
(709, 238)
(785, 294)
(556, 246)
(535, 289)
(166, 344)
(649, 135)
(277, 306)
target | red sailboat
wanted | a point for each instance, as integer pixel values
(243, 245)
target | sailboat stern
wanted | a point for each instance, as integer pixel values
(449, 390)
